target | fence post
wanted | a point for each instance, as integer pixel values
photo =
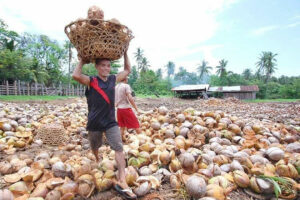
(28, 89)
(7, 91)
(19, 89)
(15, 87)
(35, 88)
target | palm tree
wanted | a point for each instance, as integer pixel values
(139, 57)
(247, 73)
(222, 68)
(144, 64)
(203, 69)
(170, 68)
(266, 64)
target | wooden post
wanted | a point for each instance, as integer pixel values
(46, 90)
(35, 88)
(19, 89)
(55, 91)
(23, 88)
(28, 89)
(15, 87)
(7, 91)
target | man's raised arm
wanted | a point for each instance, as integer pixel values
(78, 76)
(127, 69)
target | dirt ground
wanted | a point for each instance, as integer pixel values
(280, 112)
(287, 113)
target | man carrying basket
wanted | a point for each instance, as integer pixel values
(101, 117)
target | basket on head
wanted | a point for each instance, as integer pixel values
(96, 38)
(52, 134)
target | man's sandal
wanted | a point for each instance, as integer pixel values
(124, 192)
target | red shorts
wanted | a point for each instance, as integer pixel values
(126, 118)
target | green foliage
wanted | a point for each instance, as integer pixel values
(203, 70)
(133, 76)
(222, 68)
(159, 74)
(170, 68)
(266, 64)
(185, 77)
(279, 183)
(148, 83)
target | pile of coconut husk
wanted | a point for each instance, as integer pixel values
(199, 154)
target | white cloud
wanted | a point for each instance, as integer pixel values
(263, 30)
(295, 17)
(166, 30)
(292, 25)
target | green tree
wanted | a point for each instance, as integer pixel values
(139, 54)
(144, 65)
(222, 68)
(8, 39)
(147, 82)
(133, 76)
(203, 70)
(47, 53)
(68, 48)
(247, 74)
(12, 65)
(36, 73)
(170, 68)
(185, 77)
(159, 74)
(115, 66)
(267, 64)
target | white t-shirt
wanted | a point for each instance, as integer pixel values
(122, 89)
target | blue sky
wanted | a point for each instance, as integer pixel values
(252, 26)
(185, 32)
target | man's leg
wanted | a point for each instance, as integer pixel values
(123, 132)
(120, 159)
(95, 138)
(113, 136)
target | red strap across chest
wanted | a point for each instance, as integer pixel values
(94, 84)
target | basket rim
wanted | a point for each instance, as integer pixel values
(99, 20)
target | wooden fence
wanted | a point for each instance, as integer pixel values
(24, 88)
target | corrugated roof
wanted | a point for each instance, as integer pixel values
(190, 87)
(248, 88)
(252, 88)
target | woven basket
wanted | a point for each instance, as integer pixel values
(98, 39)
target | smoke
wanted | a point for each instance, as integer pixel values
(205, 80)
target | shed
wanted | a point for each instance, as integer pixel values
(191, 91)
(239, 92)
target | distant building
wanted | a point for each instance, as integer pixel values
(191, 91)
(239, 92)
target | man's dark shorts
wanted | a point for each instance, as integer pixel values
(113, 137)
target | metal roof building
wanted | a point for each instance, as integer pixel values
(239, 92)
(191, 91)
